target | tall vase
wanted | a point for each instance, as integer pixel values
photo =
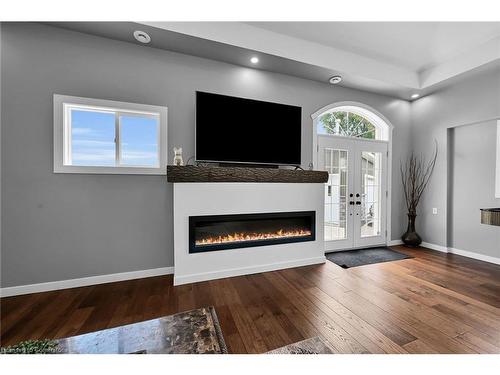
(411, 237)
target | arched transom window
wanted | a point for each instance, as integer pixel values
(352, 121)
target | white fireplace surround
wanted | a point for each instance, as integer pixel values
(208, 198)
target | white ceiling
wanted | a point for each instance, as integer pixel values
(396, 59)
(412, 45)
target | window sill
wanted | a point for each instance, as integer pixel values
(162, 171)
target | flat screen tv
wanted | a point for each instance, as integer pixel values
(238, 130)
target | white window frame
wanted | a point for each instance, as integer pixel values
(62, 134)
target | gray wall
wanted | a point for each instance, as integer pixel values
(62, 226)
(474, 165)
(1, 212)
(469, 101)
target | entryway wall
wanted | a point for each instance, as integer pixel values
(471, 181)
(474, 100)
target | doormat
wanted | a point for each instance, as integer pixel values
(355, 258)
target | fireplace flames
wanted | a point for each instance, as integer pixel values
(240, 237)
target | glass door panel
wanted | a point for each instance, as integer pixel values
(370, 193)
(370, 184)
(336, 157)
(336, 163)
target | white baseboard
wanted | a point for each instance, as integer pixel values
(193, 278)
(103, 279)
(394, 242)
(469, 254)
(84, 281)
(444, 249)
(432, 246)
(464, 253)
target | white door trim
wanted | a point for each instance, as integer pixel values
(315, 119)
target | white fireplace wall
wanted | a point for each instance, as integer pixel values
(194, 199)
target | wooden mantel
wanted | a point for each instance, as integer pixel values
(191, 173)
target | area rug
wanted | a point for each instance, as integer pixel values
(191, 332)
(355, 258)
(314, 345)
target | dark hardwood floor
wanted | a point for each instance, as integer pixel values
(433, 303)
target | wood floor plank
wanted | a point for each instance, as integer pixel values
(413, 306)
(341, 340)
(419, 347)
(477, 343)
(406, 273)
(326, 291)
(273, 334)
(14, 310)
(282, 301)
(74, 323)
(480, 323)
(374, 299)
(232, 335)
(254, 343)
(461, 286)
(20, 330)
(363, 332)
(432, 303)
(291, 333)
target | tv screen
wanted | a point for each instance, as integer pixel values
(238, 130)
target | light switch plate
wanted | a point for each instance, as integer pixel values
(434, 211)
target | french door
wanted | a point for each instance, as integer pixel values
(356, 191)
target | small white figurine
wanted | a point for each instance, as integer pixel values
(178, 156)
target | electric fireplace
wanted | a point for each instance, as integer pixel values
(220, 232)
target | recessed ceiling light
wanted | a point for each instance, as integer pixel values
(254, 60)
(415, 96)
(335, 80)
(142, 36)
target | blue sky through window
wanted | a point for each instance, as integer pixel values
(93, 139)
(139, 141)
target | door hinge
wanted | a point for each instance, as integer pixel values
(386, 233)
(317, 148)
(387, 193)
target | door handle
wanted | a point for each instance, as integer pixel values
(358, 202)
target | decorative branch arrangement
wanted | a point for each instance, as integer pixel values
(415, 174)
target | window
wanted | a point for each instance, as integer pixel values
(347, 124)
(108, 137)
(351, 121)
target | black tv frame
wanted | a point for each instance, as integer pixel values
(241, 163)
